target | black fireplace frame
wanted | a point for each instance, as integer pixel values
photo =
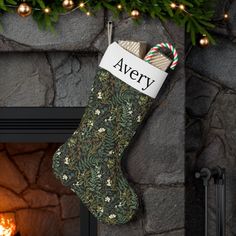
(45, 124)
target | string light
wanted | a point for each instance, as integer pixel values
(119, 6)
(226, 16)
(25, 10)
(69, 6)
(47, 10)
(173, 5)
(182, 7)
(82, 5)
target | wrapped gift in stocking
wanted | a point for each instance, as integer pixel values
(90, 161)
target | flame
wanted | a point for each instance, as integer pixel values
(7, 226)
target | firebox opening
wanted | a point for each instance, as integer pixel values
(31, 198)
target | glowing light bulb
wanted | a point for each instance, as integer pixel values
(182, 7)
(82, 5)
(47, 10)
(119, 6)
(173, 5)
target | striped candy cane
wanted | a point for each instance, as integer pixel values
(156, 48)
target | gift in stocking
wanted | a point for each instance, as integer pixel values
(90, 161)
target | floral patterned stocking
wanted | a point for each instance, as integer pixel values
(90, 161)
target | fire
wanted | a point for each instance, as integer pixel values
(7, 226)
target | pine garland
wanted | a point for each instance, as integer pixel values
(195, 15)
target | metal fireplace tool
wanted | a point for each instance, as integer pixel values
(218, 175)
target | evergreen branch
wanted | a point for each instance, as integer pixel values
(195, 16)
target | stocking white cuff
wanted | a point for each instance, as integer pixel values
(132, 70)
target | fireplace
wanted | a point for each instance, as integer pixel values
(48, 78)
(30, 196)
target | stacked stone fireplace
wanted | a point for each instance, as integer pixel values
(44, 70)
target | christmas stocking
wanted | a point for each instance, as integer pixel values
(90, 161)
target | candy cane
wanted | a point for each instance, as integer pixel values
(156, 48)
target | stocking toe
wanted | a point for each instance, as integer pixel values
(108, 196)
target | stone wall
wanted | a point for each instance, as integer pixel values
(46, 78)
(58, 70)
(211, 122)
(32, 196)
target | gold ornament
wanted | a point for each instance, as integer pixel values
(204, 41)
(47, 10)
(24, 9)
(68, 4)
(135, 14)
(119, 6)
